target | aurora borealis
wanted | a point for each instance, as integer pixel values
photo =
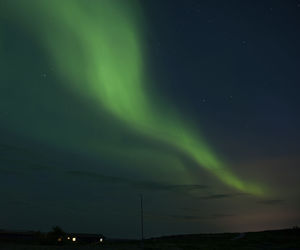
(107, 65)
(79, 86)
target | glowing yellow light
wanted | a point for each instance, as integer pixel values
(59, 239)
(68, 238)
(74, 239)
(101, 240)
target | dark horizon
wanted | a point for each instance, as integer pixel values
(146, 238)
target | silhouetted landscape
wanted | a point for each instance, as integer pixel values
(143, 124)
(285, 239)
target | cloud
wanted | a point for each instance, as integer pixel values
(187, 217)
(96, 177)
(144, 185)
(173, 217)
(184, 217)
(271, 202)
(220, 196)
(28, 160)
(166, 187)
(190, 187)
(221, 216)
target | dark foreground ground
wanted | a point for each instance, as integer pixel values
(280, 239)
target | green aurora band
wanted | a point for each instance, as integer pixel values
(97, 47)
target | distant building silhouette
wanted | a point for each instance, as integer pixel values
(49, 238)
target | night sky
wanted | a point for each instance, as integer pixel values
(193, 104)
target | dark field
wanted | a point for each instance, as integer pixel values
(279, 239)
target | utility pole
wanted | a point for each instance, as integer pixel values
(142, 219)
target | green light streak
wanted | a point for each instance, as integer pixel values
(97, 47)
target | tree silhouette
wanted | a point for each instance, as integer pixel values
(56, 234)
